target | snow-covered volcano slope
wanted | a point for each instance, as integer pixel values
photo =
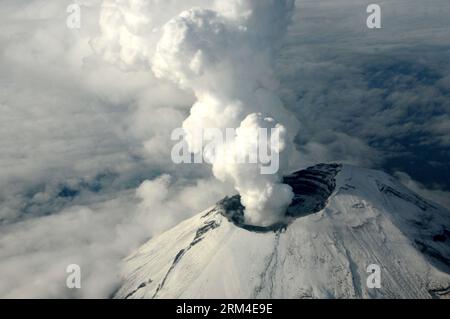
(343, 219)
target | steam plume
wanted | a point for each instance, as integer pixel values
(224, 51)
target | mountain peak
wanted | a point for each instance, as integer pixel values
(312, 187)
(342, 219)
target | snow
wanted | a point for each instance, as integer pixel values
(369, 218)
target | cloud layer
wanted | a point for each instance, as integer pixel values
(84, 125)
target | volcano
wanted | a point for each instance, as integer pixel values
(342, 219)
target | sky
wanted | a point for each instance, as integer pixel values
(86, 175)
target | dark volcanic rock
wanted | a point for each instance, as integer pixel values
(312, 187)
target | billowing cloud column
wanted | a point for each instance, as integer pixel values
(226, 57)
(224, 52)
